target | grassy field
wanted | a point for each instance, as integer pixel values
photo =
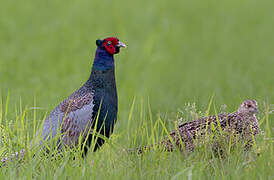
(178, 52)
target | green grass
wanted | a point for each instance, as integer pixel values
(178, 52)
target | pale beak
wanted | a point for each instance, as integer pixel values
(120, 44)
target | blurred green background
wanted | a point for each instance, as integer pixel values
(178, 52)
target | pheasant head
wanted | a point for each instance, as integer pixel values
(249, 107)
(111, 44)
(106, 48)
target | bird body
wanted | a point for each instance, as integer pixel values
(242, 122)
(97, 97)
(77, 114)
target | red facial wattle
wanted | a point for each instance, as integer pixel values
(110, 45)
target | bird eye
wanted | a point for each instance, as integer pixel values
(109, 42)
(249, 106)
